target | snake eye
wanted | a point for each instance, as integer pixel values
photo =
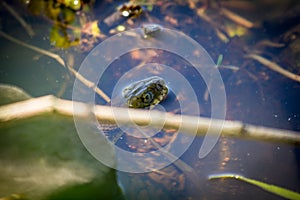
(148, 97)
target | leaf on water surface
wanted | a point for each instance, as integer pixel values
(283, 192)
(42, 157)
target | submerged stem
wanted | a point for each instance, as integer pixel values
(273, 66)
(56, 57)
(283, 192)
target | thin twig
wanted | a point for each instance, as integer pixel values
(89, 84)
(219, 33)
(274, 66)
(86, 82)
(153, 118)
(268, 43)
(237, 18)
(37, 49)
(26, 26)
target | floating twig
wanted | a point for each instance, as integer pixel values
(49, 104)
(274, 66)
(56, 57)
(152, 118)
(26, 26)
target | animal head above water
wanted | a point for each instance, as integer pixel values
(145, 93)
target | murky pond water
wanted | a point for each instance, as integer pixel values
(254, 95)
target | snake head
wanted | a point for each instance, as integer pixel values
(145, 93)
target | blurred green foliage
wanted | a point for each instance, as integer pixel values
(64, 15)
(42, 157)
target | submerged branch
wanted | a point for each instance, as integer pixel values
(56, 57)
(153, 118)
(26, 26)
(236, 18)
(216, 27)
(273, 66)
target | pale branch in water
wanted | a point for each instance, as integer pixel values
(26, 26)
(223, 37)
(56, 57)
(273, 66)
(184, 123)
(237, 18)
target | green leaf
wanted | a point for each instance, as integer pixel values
(286, 193)
(220, 59)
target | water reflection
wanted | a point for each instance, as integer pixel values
(254, 95)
